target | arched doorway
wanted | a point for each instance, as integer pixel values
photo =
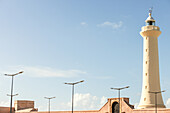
(115, 107)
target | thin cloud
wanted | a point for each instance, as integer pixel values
(101, 77)
(113, 25)
(34, 71)
(83, 23)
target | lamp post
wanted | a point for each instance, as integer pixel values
(119, 93)
(49, 98)
(12, 75)
(156, 92)
(73, 90)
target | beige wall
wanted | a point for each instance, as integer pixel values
(151, 111)
(23, 104)
(5, 110)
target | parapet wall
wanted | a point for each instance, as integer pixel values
(6, 110)
(23, 104)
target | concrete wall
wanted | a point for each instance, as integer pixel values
(126, 107)
(104, 109)
(89, 111)
(6, 110)
(151, 111)
(23, 104)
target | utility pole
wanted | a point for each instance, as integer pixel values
(12, 75)
(156, 98)
(73, 91)
(49, 98)
(118, 89)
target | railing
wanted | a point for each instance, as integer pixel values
(150, 27)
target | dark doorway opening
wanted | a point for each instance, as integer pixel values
(115, 107)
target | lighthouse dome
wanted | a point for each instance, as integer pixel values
(150, 20)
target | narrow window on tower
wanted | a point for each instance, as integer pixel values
(146, 62)
(146, 74)
(145, 87)
(150, 23)
(146, 38)
(144, 99)
(146, 50)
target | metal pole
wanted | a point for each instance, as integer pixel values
(73, 90)
(12, 88)
(156, 98)
(72, 97)
(119, 100)
(155, 102)
(49, 98)
(119, 95)
(49, 105)
(11, 94)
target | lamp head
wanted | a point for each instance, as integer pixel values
(21, 72)
(82, 81)
(163, 91)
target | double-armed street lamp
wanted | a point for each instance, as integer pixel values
(156, 92)
(73, 90)
(49, 98)
(12, 75)
(119, 95)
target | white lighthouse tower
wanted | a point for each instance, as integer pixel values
(151, 81)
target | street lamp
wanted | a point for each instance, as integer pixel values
(119, 93)
(12, 75)
(73, 90)
(49, 98)
(156, 92)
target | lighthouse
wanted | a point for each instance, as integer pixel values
(151, 80)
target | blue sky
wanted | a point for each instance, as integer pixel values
(59, 41)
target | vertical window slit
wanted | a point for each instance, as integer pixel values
(144, 99)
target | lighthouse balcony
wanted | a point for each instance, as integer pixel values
(150, 27)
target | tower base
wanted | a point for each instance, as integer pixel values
(151, 106)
